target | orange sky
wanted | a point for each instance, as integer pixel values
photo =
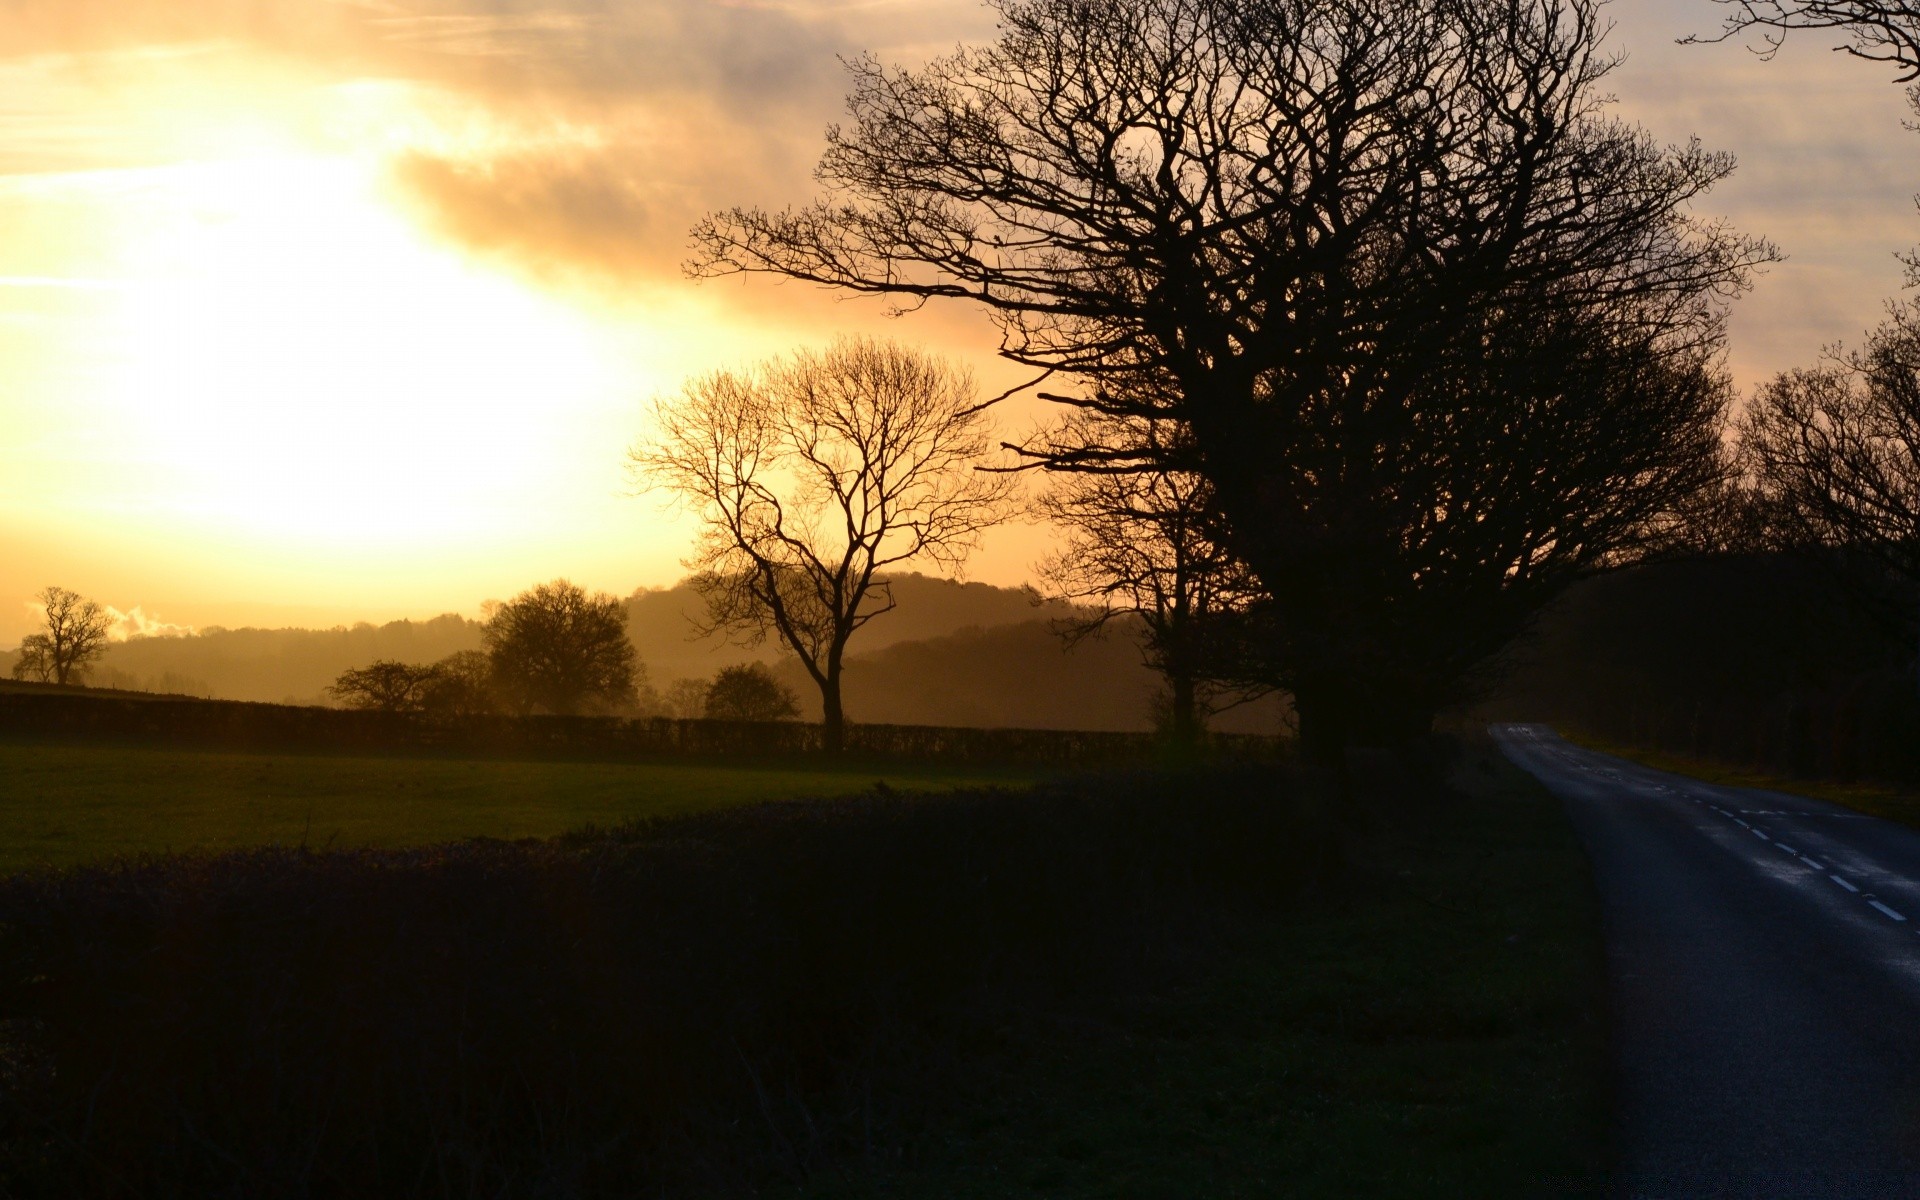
(321, 310)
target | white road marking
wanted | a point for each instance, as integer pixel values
(1787, 848)
(1883, 908)
(1843, 883)
(1755, 832)
(1816, 866)
(1741, 824)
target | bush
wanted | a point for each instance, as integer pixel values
(684, 1006)
(749, 693)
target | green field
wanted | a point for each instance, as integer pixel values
(63, 803)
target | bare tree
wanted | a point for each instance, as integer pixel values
(556, 649)
(814, 475)
(1877, 30)
(1440, 335)
(461, 686)
(1138, 543)
(1837, 447)
(74, 633)
(1834, 450)
(384, 685)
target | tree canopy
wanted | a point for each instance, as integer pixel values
(749, 692)
(812, 475)
(556, 649)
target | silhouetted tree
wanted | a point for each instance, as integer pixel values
(815, 473)
(461, 685)
(1440, 336)
(555, 648)
(1138, 543)
(749, 692)
(74, 633)
(1834, 451)
(385, 685)
(1878, 30)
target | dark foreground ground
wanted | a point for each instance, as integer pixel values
(1218, 983)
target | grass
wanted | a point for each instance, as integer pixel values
(1152, 985)
(1875, 799)
(1433, 1028)
(64, 804)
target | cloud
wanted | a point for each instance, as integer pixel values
(135, 623)
(577, 135)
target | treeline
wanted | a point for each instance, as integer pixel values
(1794, 663)
(950, 654)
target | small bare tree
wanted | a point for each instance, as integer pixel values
(384, 685)
(1138, 543)
(74, 633)
(814, 474)
(1834, 450)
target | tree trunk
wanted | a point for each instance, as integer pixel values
(1335, 715)
(1320, 708)
(833, 719)
(1183, 709)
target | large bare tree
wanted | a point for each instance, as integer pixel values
(813, 475)
(1441, 334)
(73, 633)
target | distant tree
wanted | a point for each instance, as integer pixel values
(813, 474)
(556, 649)
(74, 634)
(1834, 451)
(35, 662)
(461, 685)
(385, 685)
(686, 699)
(1138, 543)
(749, 692)
(1835, 448)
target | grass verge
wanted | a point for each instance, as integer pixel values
(1875, 799)
(66, 803)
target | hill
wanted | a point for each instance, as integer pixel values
(951, 653)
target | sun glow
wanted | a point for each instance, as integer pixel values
(292, 357)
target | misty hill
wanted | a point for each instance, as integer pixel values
(950, 654)
(661, 623)
(1017, 675)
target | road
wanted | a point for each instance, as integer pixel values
(1764, 955)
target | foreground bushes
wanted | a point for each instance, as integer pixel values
(696, 1005)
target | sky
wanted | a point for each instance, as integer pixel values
(317, 311)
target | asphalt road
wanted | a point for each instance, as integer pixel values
(1764, 954)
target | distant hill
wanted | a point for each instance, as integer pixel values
(661, 622)
(950, 654)
(1016, 675)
